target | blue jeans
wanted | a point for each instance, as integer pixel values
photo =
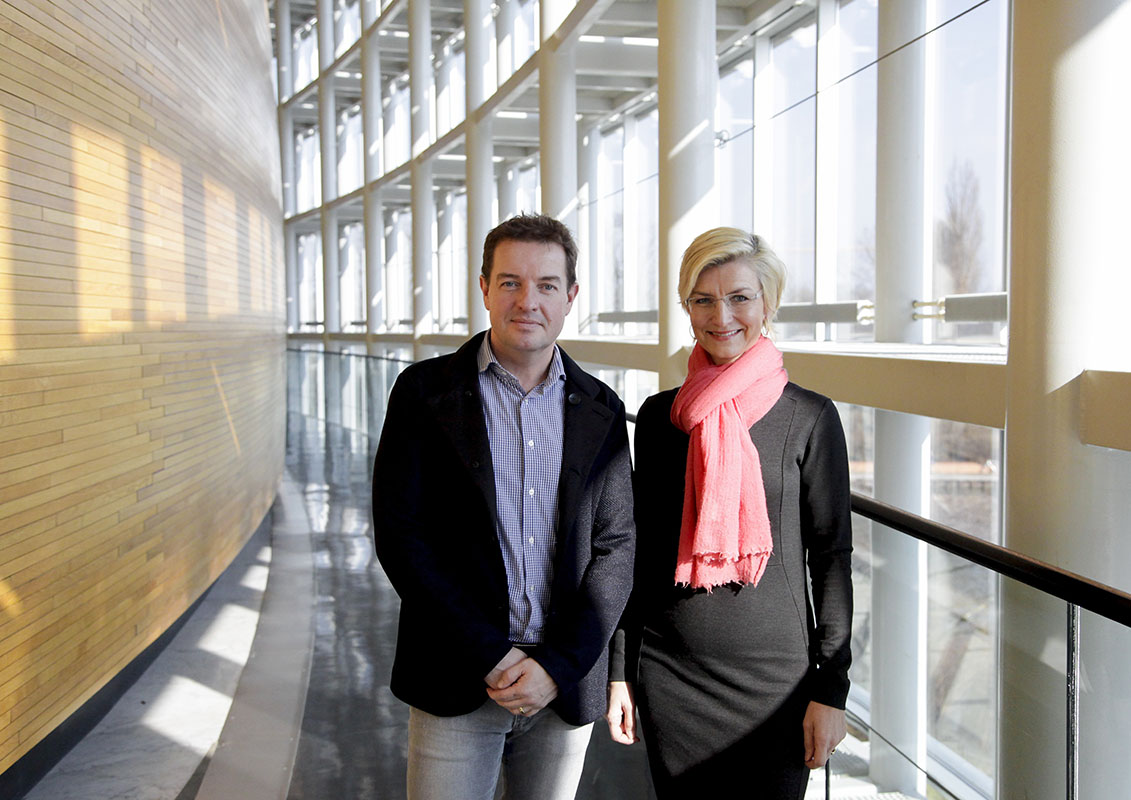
(461, 758)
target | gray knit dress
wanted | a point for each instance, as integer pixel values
(723, 678)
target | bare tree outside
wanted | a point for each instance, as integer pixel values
(959, 234)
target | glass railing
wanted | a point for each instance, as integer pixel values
(998, 655)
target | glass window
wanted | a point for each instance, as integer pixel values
(351, 267)
(305, 60)
(397, 139)
(854, 98)
(308, 170)
(642, 264)
(347, 24)
(858, 34)
(450, 288)
(309, 282)
(351, 150)
(734, 159)
(967, 179)
(398, 270)
(528, 196)
(610, 228)
(961, 598)
(525, 31)
(450, 92)
(787, 217)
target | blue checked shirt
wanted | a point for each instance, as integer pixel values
(525, 432)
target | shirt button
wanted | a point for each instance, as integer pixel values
(531, 540)
(531, 492)
(530, 588)
(531, 443)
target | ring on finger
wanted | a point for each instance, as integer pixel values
(522, 711)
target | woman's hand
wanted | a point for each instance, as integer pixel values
(621, 715)
(824, 729)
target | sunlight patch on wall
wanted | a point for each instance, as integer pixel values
(7, 301)
(221, 244)
(101, 226)
(163, 259)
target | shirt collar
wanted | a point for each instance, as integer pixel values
(486, 357)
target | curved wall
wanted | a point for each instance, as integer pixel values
(141, 330)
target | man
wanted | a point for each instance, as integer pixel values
(503, 517)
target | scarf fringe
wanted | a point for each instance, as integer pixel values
(708, 570)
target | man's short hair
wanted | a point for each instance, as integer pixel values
(532, 228)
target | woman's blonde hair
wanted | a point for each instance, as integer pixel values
(720, 246)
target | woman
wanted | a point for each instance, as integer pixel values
(741, 481)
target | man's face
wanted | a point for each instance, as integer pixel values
(528, 298)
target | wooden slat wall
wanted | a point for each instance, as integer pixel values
(141, 329)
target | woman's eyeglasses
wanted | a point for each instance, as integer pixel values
(735, 302)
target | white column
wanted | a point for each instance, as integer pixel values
(1066, 502)
(287, 156)
(328, 136)
(290, 258)
(331, 274)
(388, 116)
(442, 279)
(901, 232)
(557, 131)
(480, 192)
(328, 146)
(827, 172)
(370, 9)
(902, 442)
(371, 102)
(420, 75)
(332, 399)
(588, 150)
(557, 128)
(423, 224)
(899, 607)
(325, 34)
(630, 239)
(688, 76)
(507, 179)
(423, 202)
(285, 51)
(504, 41)
(478, 26)
(374, 262)
(373, 216)
(480, 153)
(551, 14)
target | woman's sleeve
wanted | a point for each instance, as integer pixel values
(826, 532)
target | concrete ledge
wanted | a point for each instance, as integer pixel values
(1103, 409)
(256, 751)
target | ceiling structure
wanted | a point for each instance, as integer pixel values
(616, 65)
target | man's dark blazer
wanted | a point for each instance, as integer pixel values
(434, 528)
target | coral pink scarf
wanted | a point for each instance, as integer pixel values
(725, 535)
